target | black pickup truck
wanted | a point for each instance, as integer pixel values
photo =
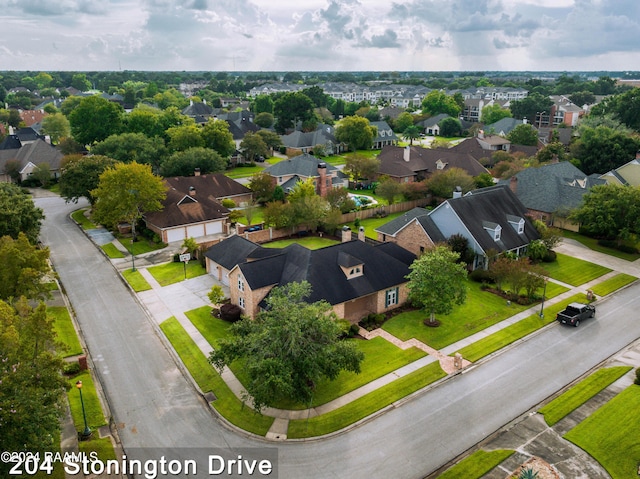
(576, 312)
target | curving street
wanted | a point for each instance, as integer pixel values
(155, 406)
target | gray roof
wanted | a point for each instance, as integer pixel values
(504, 125)
(385, 132)
(235, 250)
(421, 215)
(320, 136)
(434, 120)
(36, 152)
(305, 166)
(554, 187)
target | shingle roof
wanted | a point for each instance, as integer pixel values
(322, 269)
(304, 165)
(320, 136)
(215, 185)
(36, 152)
(488, 207)
(236, 249)
(421, 215)
(554, 187)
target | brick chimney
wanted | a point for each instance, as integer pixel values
(513, 184)
(322, 181)
(361, 233)
(346, 234)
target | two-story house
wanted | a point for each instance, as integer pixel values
(287, 173)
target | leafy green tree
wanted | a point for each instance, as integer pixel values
(95, 119)
(270, 138)
(216, 135)
(361, 166)
(125, 193)
(279, 214)
(531, 106)
(42, 173)
(24, 267)
(79, 82)
(601, 149)
(317, 96)
(624, 107)
(411, 133)
(262, 104)
(262, 186)
(524, 134)
(437, 282)
(56, 126)
(436, 102)
(253, 147)
(610, 211)
(184, 137)
(18, 213)
(450, 127)
(264, 119)
(80, 175)
(280, 359)
(388, 189)
(145, 119)
(216, 294)
(492, 113)
(338, 198)
(356, 133)
(404, 121)
(309, 210)
(291, 108)
(190, 245)
(460, 244)
(128, 147)
(582, 98)
(483, 180)
(184, 163)
(442, 183)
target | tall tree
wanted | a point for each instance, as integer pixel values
(450, 127)
(80, 175)
(436, 102)
(262, 104)
(437, 282)
(56, 126)
(184, 163)
(442, 183)
(412, 132)
(404, 120)
(125, 192)
(128, 147)
(18, 213)
(94, 119)
(253, 147)
(289, 348)
(262, 186)
(356, 133)
(602, 149)
(291, 108)
(145, 119)
(531, 106)
(361, 167)
(492, 113)
(524, 134)
(388, 189)
(183, 137)
(24, 267)
(216, 135)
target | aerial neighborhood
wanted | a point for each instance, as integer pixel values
(325, 229)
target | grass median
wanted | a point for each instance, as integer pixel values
(65, 331)
(477, 464)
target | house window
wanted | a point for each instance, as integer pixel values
(390, 297)
(240, 283)
(241, 302)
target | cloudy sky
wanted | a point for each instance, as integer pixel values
(336, 35)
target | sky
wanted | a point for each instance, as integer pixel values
(320, 35)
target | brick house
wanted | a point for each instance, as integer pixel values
(355, 277)
(287, 173)
(414, 231)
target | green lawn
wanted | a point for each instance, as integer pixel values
(581, 393)
(370, 224)
(213, 329)
(80, 218)
(366, 405)
(574, 271)
(257, 217)
(92, 407)
(112, 251)
(141, 246)
(170, 273)
(512, 333)
(247, 171)
(481, 310)
(136, 280)
(65, 332)
(476, 465)
(310, 242)
(592, 243)
(610, 285)
(207, 378)
(610, 435)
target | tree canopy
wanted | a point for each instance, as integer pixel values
(492, 113)
(80, 175)
(94, 119)
(529, 107)
(437, 101)
(128, 147)
(356, 133)
(291, 108)
(216, 135)
(18, 213)
(361, 166)
(524, 134)
(184, 163)
(602, 149)
(437, 282)
(24, 267)
(442, 183)
(289, 348)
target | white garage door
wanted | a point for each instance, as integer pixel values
(195, 231)
(214, 228)
(175, 235)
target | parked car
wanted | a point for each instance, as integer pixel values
(576, 312)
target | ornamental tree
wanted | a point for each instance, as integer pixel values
(356, 132)
(95, 119)
(289, 348)
(437, 282)
(81, 174)
(24, 267)
(18, 213)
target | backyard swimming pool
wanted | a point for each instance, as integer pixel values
(362, 200)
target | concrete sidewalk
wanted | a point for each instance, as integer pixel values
(173, 300)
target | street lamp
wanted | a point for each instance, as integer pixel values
(544, 293)
(87, 432)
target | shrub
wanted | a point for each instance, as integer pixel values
(353, 330)
(628, 249)
(230, 312)
(71, 369)
(228, 203)
(372, 321)
(550, 257)
(481, 276)
(345, 327)
(637, 381)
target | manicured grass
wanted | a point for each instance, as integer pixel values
(380, 358)
(610, 285)
(65, 332)
(481, 310)
(212, 328)
(366, 405)
(581, 393)
(92, 407)
(256, 219)
(101, 446)
(370, 224)
(207, 378)
(476, 465)
(136, 280)
(310, 242)
(522, 328)
(574, 271)
(610, 434)
(80, 218)
(141, 246)
(112, 251)
(170, 273)
(248, 171)
(592, 243)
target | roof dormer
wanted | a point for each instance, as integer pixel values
(351, 266)
(517, 223)
(494, 229)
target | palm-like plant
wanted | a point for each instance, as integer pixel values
(528, 474)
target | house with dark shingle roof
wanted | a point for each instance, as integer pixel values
(550, 192)
(28, 155)
(193, 209)
(304, 141)
(415, 163)
(414, 230)
(347, 275)
(288, 172)
(385, 135)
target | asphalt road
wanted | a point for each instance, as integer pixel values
(156, 407)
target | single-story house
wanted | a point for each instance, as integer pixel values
(28, 155)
